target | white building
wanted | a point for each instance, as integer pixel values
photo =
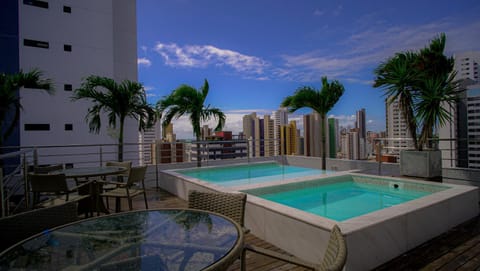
(466, 65)
(397, 129)
(146, 139)
(68, 41)
(280, 117)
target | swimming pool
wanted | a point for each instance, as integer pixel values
(341, 198)
(238, 175)
(372, 238)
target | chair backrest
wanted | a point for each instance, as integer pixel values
(228, 204)
(125, 164)
(54, 183)
(17, 227)
(137, 175)
(47, 169)
(336, 253)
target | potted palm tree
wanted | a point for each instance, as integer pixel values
(321, 101)
(423, 84)
(186, 100)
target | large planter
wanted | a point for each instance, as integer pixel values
(423, 164)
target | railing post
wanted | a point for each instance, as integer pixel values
(35, 157)
(25, 181)
(101, 155)
(2, 195)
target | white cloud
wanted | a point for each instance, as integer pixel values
(144, 62)
(319, 12)
(346, 121)
(368, 48)
(202, 56)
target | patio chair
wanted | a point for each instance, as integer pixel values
(118, 177)
(228, 204)
(134, 186)
(47, 169)
(55, 187)
(17, 227)
(333, 260)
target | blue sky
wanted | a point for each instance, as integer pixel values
(256, 52)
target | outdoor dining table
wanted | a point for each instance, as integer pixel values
(160, 239)
(83, 174)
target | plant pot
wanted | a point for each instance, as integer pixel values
(423, 164)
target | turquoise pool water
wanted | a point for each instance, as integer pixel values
(249, 174)
(339, 200)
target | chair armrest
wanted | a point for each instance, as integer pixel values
(109, 182)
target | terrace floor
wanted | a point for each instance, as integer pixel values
(458, 249)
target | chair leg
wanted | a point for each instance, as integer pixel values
(145, 197)
(243, 261)
(130, 205)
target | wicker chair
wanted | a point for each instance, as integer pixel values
(55, 186)
(17, 227)
(134, 186)
(228, 204)
(333, 260)
(47, 169)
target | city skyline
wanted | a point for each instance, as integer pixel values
(255, 54)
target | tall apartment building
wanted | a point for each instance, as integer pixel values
(397, 129)
(280, 117)
(67, 41)
(361, 124)
(334, 135)
(289, 139)
(146, 139)
(313, 135)
(461, 137)
(269, 135)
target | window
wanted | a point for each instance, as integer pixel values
(68, 127)
(67, 47)
(37, 127)
(67, 87)
(36, 43)
(67, 9)
(36, 3)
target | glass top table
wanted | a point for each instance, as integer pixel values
(85, 172)
(162, 239)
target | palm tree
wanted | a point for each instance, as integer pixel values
(397, 75)
(117, 100)
(319, 101)
(422, 82)
(186, 100)
(10, 99)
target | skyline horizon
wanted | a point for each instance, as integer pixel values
(255, 54)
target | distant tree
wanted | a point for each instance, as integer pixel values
(10, 99)
(423, 83)
(321, 101)
(186, 100)
(117, 100)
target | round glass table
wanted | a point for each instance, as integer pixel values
(162, 239)
(85, 172)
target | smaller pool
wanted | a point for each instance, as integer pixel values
(249, 173)
(343, 197)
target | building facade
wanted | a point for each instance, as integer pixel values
(68, 41)
(280, 117)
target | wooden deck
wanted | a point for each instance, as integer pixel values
(458, 249)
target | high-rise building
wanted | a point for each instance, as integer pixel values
(397, 129)
(313, 135)
(269, 135)
(361, 124)
(333, 132)
(459, 138)
(146, 139)
(288, 138)
(67, 41)
(280, 117)
(259, 137)
(466, 65)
